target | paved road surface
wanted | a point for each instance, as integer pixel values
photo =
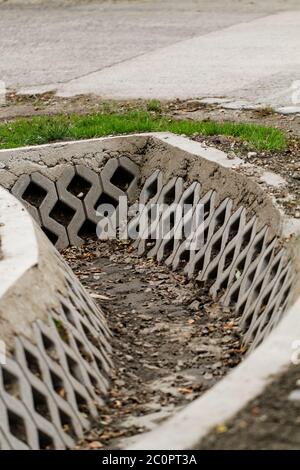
(241, 50)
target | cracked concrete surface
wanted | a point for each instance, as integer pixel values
(245, 51)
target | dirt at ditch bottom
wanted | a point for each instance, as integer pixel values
(171, 343)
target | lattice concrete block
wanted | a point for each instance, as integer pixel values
(274, 310)
(166, 221)
(91, 197)
(126, 177)
(113, 192)
(270, 292)
(16, 426)
(4, 444)
(210, 243)
(257, 275)
(15, 386)
(19, 190)
(167, 246)
(239, 261)
(119, 179)
(70, 205)
(58, 378)
(250, 259)
(53, 229)
(227, 245)
(149, 195)
(184, 252)
(234, 254)
(170, 194)
(36, 372)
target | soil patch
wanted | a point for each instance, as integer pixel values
(171, 343)
(286, 163)
(270, 422)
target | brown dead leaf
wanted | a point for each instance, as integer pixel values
(185, 391)
(95, 445)
(221, 429)
(99, 296)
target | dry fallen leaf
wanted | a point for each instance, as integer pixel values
(221, 428)
(185, 391)
(62, 392)
(117, 404)
(99, 296)
(95, 445)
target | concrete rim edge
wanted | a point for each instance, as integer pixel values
(19, 244)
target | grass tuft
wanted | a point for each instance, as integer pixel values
(154, 105)
(44, 129)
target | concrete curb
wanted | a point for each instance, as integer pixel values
(18, 242)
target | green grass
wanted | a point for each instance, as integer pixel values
(154, 105)
(43, 129)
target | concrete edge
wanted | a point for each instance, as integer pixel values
(19, 243)
(265, 180)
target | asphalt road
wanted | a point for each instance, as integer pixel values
(238, 49)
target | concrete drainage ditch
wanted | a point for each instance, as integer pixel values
(58, 346)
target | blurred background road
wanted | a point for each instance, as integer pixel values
(245, 51)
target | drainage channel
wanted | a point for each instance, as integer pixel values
(180, 301)
(171, 342)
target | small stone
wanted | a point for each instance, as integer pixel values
(231, 155)
(294, 395)
(226, 339)
(151, 366)
(145, 317)
(216, 365)
(243, 424)
(208, 376)
(163, 276)
(194, 305)
(120, 383)
(252, 154)
(128, 357)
